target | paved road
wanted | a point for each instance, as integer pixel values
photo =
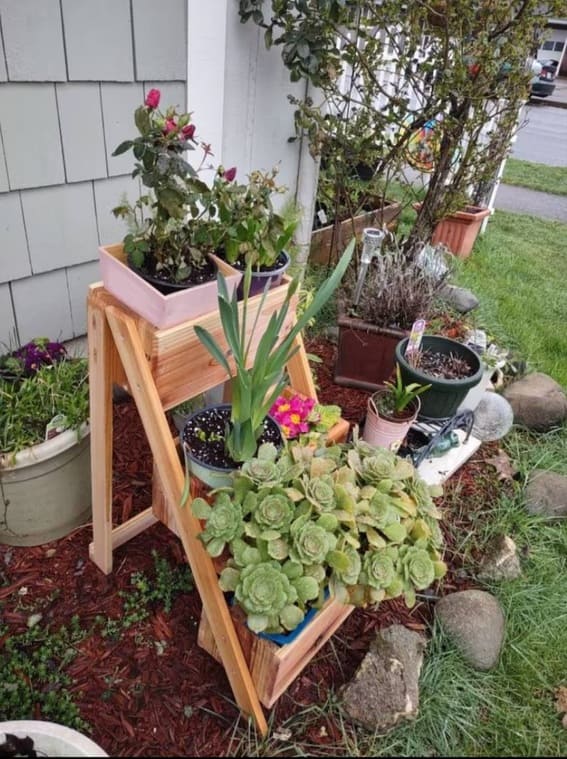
(543, 138)
(523, 200)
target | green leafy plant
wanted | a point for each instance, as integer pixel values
(29, 403)
(353, 520)
(255, 389)
(181, 219)
(461, 71)
(397, 397)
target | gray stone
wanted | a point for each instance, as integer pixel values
(475, 622)
(493, 417)
(461, 299)
(331, 333)
(385, 688)
(538, 402)
(546, 494)
(500, 562)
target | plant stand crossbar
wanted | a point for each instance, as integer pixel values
(160, 369)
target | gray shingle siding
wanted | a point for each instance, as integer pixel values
(71, 74)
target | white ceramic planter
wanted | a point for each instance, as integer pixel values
(160, 310)
(45, 490)
(51, 739)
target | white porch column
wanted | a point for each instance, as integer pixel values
(238, 92)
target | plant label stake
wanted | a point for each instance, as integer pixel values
(412, 348)
(372, 240)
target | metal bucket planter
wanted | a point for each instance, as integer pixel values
(51, 739)
(45, 490)
(385, 431)
(443, 398)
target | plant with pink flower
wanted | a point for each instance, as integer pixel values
(179, 219)
(298, 415)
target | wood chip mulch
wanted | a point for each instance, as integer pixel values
(154, 692)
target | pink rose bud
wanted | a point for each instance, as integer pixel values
(152, 98)
(230, 174)
(188, 131)
(170, 126)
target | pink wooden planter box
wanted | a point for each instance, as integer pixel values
(160, 310)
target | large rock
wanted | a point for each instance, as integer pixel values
(461, 299)
(385, 688)
(475, 622)
(546, 494)
(500, 561)
(538, 401)
(493, 417)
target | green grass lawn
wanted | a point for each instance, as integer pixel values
(519, 271)
(536, 176)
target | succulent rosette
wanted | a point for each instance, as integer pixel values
(378, 569)
(224, 522)
(274, 511)
(263, 470)
(312, 543)
(320, 492)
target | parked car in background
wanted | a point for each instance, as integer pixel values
(543, 84)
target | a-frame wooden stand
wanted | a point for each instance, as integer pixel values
(160, 369)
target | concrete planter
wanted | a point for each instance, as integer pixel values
(51, 739)
(158, 309)
(45, 490)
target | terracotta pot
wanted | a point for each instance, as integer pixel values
(365, 356)
(388, 432)
(158, 309)
(327, 243)
(459, 230)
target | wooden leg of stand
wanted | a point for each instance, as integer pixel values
(142, 386)
(300, 377)
(100, 390)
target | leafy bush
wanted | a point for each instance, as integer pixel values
(355, 519)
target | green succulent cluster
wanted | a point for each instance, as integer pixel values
(354, 519)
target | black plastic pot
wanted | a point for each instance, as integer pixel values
(444, 396)
(166, 287)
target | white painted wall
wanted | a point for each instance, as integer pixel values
(238, 92)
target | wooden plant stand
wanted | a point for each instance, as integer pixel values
(160, 369)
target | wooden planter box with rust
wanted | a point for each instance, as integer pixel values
(327, 243)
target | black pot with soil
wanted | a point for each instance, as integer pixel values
(451, 369)
(199, 275)
(204, 444)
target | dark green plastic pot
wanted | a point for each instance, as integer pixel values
(444, 396)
